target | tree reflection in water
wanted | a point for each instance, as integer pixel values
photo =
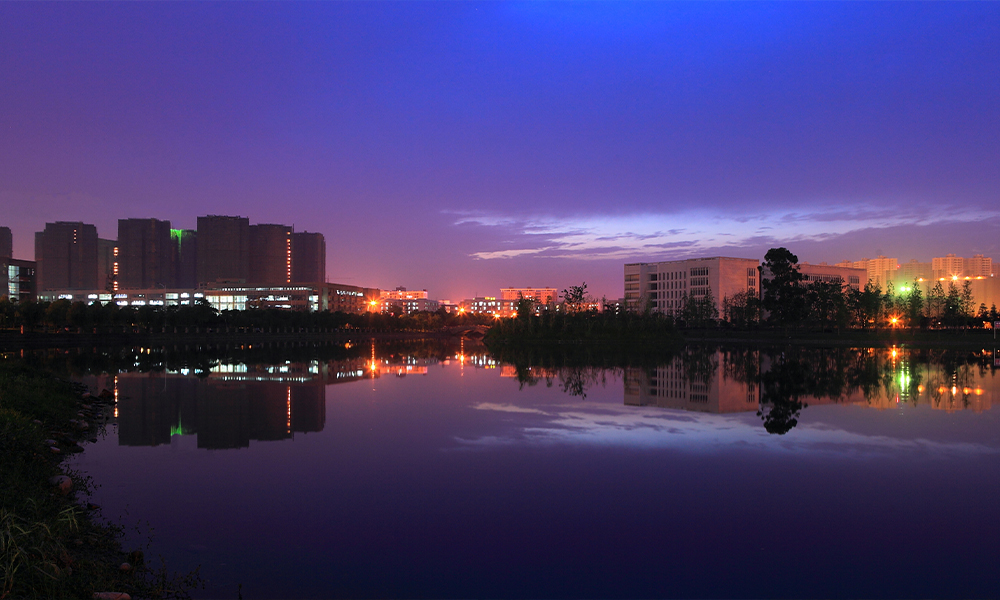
(777, 383)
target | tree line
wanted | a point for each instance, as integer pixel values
(108, 317)
(787, 300)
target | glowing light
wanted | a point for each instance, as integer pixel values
(920, 389)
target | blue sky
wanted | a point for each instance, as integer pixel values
(462, 147)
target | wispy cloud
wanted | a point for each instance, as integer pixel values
(690, 233)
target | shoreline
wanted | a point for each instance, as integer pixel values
(55, 543)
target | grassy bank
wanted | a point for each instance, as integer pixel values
(51, 545)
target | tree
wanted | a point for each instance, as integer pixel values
(525, 307)
(914, 304)
(826, 304)
(935, 302)
(741, 309)
(699, 311)
(574, 297)
(783, 296)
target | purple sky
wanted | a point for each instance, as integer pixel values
(464, 147)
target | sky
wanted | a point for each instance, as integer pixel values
(461, 147)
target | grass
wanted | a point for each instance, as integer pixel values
(51, 545)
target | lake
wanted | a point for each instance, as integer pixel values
(424, 470)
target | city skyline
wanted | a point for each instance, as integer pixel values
(461, 148)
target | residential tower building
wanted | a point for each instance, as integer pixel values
(66, 256)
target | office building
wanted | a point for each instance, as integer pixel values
(665, 286)
(849, 276)
(18, 279)
(308, 257)
(541, 296)
(401, 293)
(6, 243)
(223, 249)
(488, 305)
(185, 243)
(145, 254)
(66, 256)
(270, 255)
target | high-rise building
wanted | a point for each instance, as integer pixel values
(185, 257)
(223, 249)
(6, 243)
(308, 257)
(666, 285)
(947, 267)
(978, 266)
(270, 254)
(107, 264)
(913, 270)
(145, 254)
(881, 270)
(66, 256)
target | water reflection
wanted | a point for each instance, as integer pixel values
(778, 384)
(228, 396)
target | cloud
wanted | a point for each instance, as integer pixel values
(695, 233)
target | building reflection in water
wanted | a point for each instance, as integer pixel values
(677, 386)
(234, 405)
(760, 380)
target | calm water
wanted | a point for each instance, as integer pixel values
(439, 472)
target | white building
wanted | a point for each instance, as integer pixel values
(666, 285)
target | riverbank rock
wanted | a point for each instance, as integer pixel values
(125, 567)
(64, 483)
(54, 450)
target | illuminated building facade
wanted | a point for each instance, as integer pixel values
(881, 270)
(946, 267)
(18, 281)
(270, 255)
(328, 296)
(401, 293)
(308, 257)
(145, 254)
(66, 256)
(489, 305)
(666, 285)
(223, 249)
(407, 301)
(543, 296)
(350, 298)
(6, 243)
